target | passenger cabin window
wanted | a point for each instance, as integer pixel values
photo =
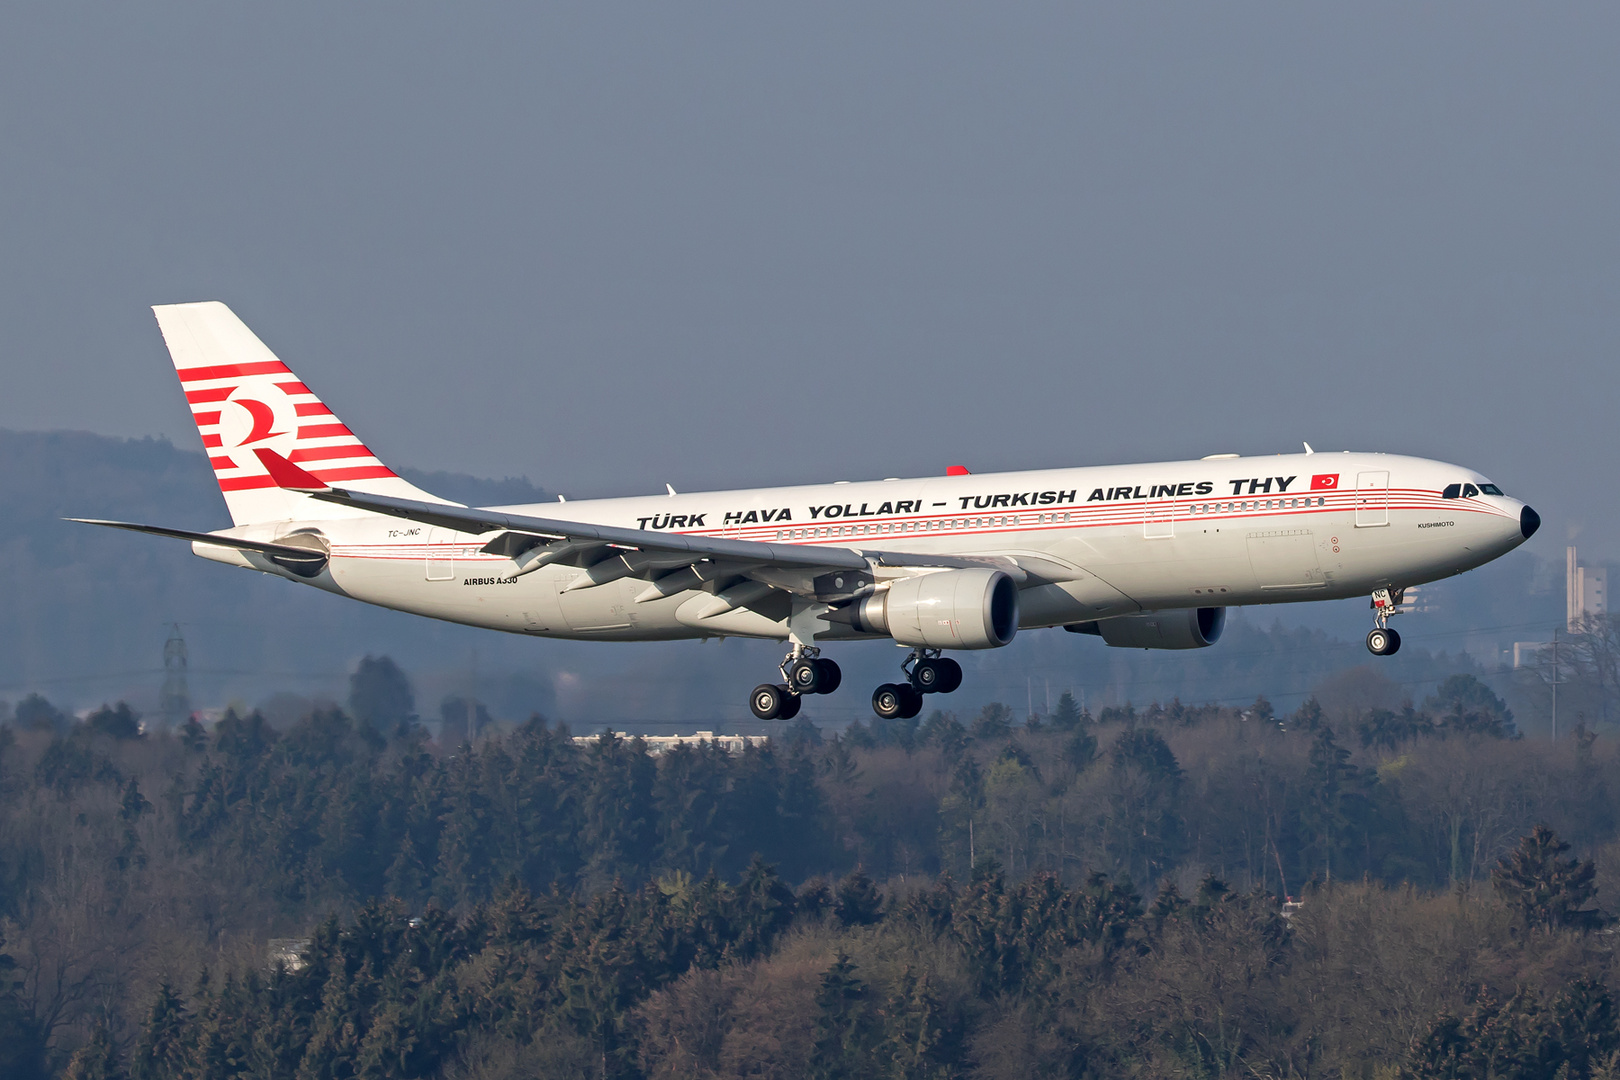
(1452, 491)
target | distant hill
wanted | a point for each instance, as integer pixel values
(84, 613)
(86, 610)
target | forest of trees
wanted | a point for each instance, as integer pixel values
(1169, 891)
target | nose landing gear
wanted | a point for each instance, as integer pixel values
(805, 671)
(1381, 640)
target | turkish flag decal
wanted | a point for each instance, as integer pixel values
(1325, 482)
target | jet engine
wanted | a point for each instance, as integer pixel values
(1191, 628)
(952, 609)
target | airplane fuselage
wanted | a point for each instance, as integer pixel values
(1098, 542)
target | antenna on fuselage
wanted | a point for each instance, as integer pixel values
(1308, 449)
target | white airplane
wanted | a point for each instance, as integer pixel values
(1144, 556)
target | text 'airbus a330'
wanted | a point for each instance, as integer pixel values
(1144, 556)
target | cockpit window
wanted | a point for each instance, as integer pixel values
(1452, 491)
(1469, 491)
(1490, 489)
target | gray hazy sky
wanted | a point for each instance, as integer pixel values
(611, 246)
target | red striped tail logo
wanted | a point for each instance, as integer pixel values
(245, 399)
(243, 407)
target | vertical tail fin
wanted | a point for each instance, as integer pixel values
(244, 399)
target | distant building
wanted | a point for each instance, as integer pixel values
(1586, 591)
(1525, 653)
(659, 744)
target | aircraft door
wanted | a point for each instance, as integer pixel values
(1159, 519)
(1372, 498)
(441, 564)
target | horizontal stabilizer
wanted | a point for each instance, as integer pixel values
(299, 555)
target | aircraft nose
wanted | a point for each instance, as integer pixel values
(1529, 522)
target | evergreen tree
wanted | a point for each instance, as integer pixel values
(766, 906)
(859, 901)
(917, 1035)
(618, 827)
(993, 723)
(845, 1034)
(1309, 716)
(115, 722)
(160, 1050)
(380, 694)
(34, 713)
(1463, 705)
(1143, 831)
(942, 729)
(464, 833)
(688, 795)
(96, 1059)
(1080, 749)
(1549, 890)
(22, 1043)
(1330, 801)
(1066, 717)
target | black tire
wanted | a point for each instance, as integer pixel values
(950, 675)
(804, 676)
(1394, 644)
(767, 699)
(1381, 642)
(913, 703)
(926, 676)
(831, 676)
(889, 700)
(790, 708)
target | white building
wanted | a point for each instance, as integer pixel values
(658, 744)
(1586, 591)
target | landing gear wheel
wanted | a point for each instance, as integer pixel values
(790, 708)
(889, 702)
(1383, 642)
(896, 702)
(831, 676)
(926, 676)
(805, 676)
(950, 675)
(770, 702)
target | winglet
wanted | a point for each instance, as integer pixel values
(956, 470)
(286, 474)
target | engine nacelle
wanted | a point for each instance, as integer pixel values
(1190, 628)
(953, 609)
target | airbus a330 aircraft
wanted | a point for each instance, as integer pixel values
(1143, 556)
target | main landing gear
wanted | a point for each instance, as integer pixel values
(805, 671)
(927, 672)
(1381, 640)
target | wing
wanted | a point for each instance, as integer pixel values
(745, 570)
